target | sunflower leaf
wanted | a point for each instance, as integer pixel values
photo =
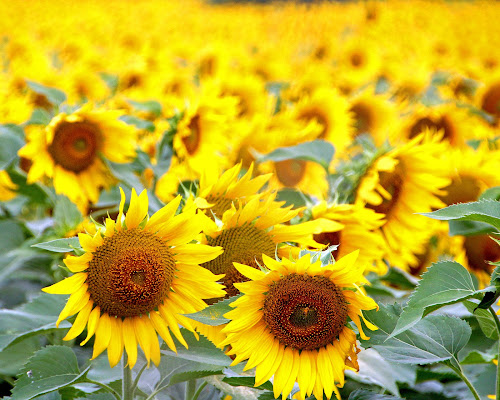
(50, 369)
(491, 194)
(484, 318)
(319, 151)
(214, 315)
(10, 143)
(65, 245)
(150, 106)
(363, 394)
(434, 339)
(53, 95)
(445, 282)
(248, 381)
(67, 216)
(483, 211)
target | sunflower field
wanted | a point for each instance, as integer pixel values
(216, 200)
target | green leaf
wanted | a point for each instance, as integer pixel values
(39, 116)
(484, 318)
(139, 123)
(53, 95)
(319, 151)
(400, 278)
(491, 194)
(11, 235)
(65, 245)
(325, 255)
(50, 369)
(67, 216)
(478, 357)
(10, 143)
(363, 394)
(214, 315)
(13, 358)
(34, 318)
(19, 259)
(489, 298)
(445, 282)
(248, 381)
(292, 197)
(469, 228)
(433, 339)
(484, 211)
(202, 351)
(150, 106)
(495, 277)
(110, 80)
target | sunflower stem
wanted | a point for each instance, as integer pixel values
(104, 386)
(127, 385)
(198, 392)
(460, 373)
(190, 389)
(497, 323)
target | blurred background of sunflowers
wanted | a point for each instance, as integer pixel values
(195, 98)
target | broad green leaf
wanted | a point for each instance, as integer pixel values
(19, 259)
(110, 80)
(65, 245)
(445, 282)
(97, 396)
(214, 315)
(248, 381)
(319, 151)
(292, 197)
(53, 95)
(11, 235)
(433, 339)
(193, 372)
(363, 394)
(469, 228)
(34, 318)
(10, 143)
(39, 116)
(139, 123)
(50, 369)
(150, 106)
(67, 216)
(491, 194)
(484, 318)
(400, 278)
(478, 357)
(484, 211)
(13, 358)
(202, 351)
(495, 277)
(426, 374)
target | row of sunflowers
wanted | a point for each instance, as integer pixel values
(219, 183)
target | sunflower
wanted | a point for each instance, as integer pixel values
(7, 187)
(217, 193)
(135, 279)
(399, 184)
(488, 99)
(357, 224)
(293, 322)
(68, 151)
(257, 228)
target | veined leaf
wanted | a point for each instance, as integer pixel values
(484, 318)
(65, 245)
(363, 394)
(319, 151)
(484, 211)
(445, 282)
(53, 95)
(66, 215)
(50, 369)
(491, 194)
(214, 315)
(10, 143)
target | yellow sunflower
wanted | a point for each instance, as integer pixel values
(68, 151)
(292, 322)
(137, 277)
(488, 98)
(400, 184)
(7, 187)
(357, 224)
(256, 228)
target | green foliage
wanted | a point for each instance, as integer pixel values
(53, 95)
(50, 369)
(66, 216)
(362, 394)
(484, 318)
(214, 314)
(318, 151)
(153, 107)
(10, 143)
(66, 245)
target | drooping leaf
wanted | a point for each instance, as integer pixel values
(65, 245)
(53, 95)
(319, 151)
(292, 197)
(490, 298)
(484, 318)
(363, 394)
(478, 357)
(67, 216)
(38, 316)
(50, 369)
(433, 339)
(484, 211)
(214, 315)
(469, 228)
(10, 143)
(400, 278)
(39, 116)
(445, 282)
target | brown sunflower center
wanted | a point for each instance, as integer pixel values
(192, 142)
(462, 190)
(329, 239)
(242, 244)
(305, 312)
(245, 156)
(443, 124)
(364, 118)
(357, 59)
(290, 172)
(319, 117)
(130, 273)
(491, 100)
(75, 145)
(392, 182)
(220, 205)
(480, 249)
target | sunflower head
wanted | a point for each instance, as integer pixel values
(137, 276)
(296, 325)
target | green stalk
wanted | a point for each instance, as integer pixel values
(497, 323)
(460, 373)
(198, 392)
(190, 389)
(104, 386)
(127, 384)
